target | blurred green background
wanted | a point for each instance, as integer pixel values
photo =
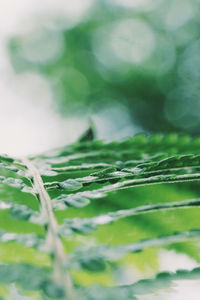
(136, 63)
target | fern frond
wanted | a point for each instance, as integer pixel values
(48, 201)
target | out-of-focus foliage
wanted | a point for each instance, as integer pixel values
(141, 55)
(79, 221)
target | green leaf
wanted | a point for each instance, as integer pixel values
(103, 253)
(30, 278)
(71, 193)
